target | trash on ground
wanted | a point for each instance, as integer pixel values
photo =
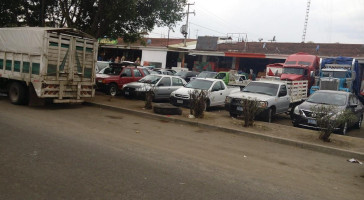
(191, 116)
(353, 160)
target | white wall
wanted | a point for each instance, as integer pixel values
(154, 56)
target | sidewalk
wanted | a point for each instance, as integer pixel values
(219, 119)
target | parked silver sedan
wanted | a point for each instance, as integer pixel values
(161, 85)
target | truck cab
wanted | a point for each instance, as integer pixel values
(300, 66)
(336, 74)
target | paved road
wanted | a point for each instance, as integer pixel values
(79, 152)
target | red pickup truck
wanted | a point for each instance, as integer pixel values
(113, 82)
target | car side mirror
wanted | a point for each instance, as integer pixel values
(353, 105)
(282, 93)
(160, 84)
(123, 74)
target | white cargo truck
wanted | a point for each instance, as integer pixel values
(47, 63)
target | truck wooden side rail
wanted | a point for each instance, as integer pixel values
(48, 63)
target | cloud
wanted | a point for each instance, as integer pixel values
(329, 20)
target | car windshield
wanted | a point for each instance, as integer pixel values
(220, 76)
(115, 70)
(199, 84)
(334, 74)
(292, 70)
(262, 88)
(206, 75)
(151, 79)
(327, 98)
(181, 73)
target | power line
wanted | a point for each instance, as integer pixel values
(207, 28)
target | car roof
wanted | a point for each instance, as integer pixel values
(209, 79)
(269, 81)
(164, 75)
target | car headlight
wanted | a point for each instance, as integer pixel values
(228, 99)
(173, 93)
(99, 81)
(262, 104)
(296, 110)
(140, 89)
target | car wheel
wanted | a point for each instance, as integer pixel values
(295, 124)
(344, 129)
(17, 93)
(207, 105)
(291, 112)
(269, 115)
(358, 124)
(113, 89)
(233, 115)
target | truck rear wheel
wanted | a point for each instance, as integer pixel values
(17, 93)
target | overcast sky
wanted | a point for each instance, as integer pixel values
(329, 21)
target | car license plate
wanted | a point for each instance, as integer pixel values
(126, 93)
(239, 108)
(180, 101)
(312, 121)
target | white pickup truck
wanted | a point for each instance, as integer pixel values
(274, 97)
(217, 91)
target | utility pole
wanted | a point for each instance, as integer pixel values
(188, 13)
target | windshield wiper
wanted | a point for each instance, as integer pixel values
(262, 93)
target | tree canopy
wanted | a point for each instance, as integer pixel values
(100, 18)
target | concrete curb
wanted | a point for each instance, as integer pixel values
(303, 145)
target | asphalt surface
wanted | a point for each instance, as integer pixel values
(80, 152)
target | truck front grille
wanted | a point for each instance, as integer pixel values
(329, 84)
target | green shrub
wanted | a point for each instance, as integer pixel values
(251, 108)
(328, 118)
(198, 100)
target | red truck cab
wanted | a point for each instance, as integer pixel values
(113, 82)
(301, 66)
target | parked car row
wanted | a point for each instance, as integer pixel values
(274, 96)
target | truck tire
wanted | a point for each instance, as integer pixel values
(113, 89)
(17, 93)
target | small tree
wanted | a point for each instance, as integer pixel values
(251, 108)
(328, 118)
(149, 96)
(198, 103)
